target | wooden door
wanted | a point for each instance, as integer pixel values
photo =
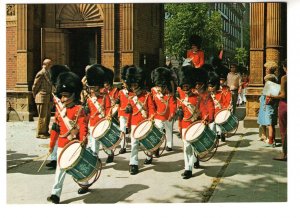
(55, 45)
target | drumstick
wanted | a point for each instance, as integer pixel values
(44, 162)
(199, 126)
(77, 149)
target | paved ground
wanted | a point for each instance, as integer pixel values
(241, 171)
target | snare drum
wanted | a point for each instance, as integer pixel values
(81, 163)
(108, 133)
(226, 120)
(201, 137)
(149, 135)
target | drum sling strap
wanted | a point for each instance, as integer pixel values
(71, 126)
(216, 101)
(140, 106)
(160, 96)
(100, 108)
(192, 108)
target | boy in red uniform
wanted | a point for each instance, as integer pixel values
(221, 97)
(190, 109)
(195, 53)
(207, 103)
(98, 103)
(141, 107)
(112, 93)
(164, 102)
(68, 90)
(122, 101)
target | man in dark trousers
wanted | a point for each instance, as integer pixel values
(41, 90)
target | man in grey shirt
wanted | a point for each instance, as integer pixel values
(234, 81)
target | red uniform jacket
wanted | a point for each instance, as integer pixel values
(113, 95)
(208, 104)
(222, 99)
(145, 100)
(95, 115)
(199, 112)
(59, 128)
(197, 57)
(165, 105)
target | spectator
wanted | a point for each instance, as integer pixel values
(41, 90)
(235, 84)
(282, 113)
(267, 115)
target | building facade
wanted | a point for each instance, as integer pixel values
(233, 16)
(77, 35)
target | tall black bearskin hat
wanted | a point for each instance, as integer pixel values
(69, 82)
(55, 70)
(97, 74)
(135, 75)
(223, 76)
(213, 80)
(185, 75)
(222, 71)
(123, 72)
(195, 40)
(208, 67)
(161, 76)
(200, 75)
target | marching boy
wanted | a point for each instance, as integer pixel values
(141, 107)
(69, 124)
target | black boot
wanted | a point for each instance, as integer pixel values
(54, 199)
(156, 153)
(148, 161)
(83, 190)
(52, 164)
(122, 151)
(187, 174)
(133, 169)
(223, 137)
(197, 165)
(110, 158)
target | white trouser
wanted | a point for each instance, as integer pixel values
(134, 149)
(215, 127)
(53, 155)
(123, 124)
(59, 178)
(188, 153)
(168, 126)
(95, 144)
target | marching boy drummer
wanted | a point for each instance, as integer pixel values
(141, 107)
(208, 107)
(122, 101)
(190, 109)
(221, 97)
(164, 102)
(68, 90)
(98, 103)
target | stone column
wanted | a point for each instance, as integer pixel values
(273, 32)
(24, 105)
(257, 53)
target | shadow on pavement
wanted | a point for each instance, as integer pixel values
(108, 196)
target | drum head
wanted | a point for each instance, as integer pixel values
(100, 128)
(194, 131)
(69, 155)
(222, 116)
(142, 129)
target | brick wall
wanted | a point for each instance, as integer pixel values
(11, 57)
